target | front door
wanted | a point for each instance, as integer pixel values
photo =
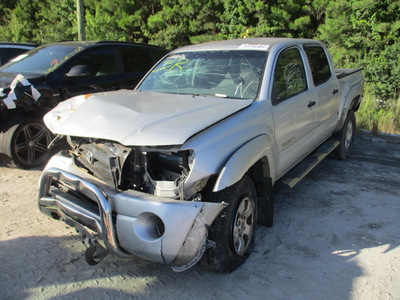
(294, 109)
(102, 66)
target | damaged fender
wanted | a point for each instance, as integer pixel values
(243, 159)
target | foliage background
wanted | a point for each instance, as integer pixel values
(359, 33)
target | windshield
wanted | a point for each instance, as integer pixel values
(41, 60)
(230, 74)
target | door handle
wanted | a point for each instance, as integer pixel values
(311, 104)
(335, 91)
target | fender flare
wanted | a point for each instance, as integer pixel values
(352, 100)
(243, 159)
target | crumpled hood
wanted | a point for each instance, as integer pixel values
(140, 118)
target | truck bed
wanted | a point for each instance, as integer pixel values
(341, 73)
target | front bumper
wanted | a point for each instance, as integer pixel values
(129, 223)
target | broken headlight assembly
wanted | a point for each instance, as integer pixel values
(167, 166)
(167, 172)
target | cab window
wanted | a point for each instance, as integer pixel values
(289, 76)
(319, 64)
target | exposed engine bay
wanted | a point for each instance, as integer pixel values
(160, 171)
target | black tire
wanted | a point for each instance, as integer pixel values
(25, 143)
(234, 229)
(346, 136)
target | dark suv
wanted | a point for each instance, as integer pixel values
(9, 50)
(35, 82)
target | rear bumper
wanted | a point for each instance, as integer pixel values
(129, 223)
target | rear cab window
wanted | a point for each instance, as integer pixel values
(319, 64)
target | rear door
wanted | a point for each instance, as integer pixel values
(294, 108)
(326, 87)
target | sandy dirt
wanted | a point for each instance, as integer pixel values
(336, 236)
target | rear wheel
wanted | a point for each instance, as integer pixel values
(25, 143)
(346, 136)
(234, 229)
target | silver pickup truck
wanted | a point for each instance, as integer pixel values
(184, 167)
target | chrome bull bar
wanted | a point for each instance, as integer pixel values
(102, 223)
(121, 220)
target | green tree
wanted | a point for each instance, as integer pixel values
(119, 19)
(286, 18)
(235, 19)
(22, 21)
(39, 21)
(366, 33)
(56, 21)
(292, 18)
(169, 26)
(6, 6)
(203, 20)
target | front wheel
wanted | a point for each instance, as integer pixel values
(234, 229)
(25, 143)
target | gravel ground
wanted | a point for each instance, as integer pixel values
(335, 236)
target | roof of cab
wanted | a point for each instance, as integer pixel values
(260, 44)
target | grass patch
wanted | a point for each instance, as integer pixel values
(379, 116)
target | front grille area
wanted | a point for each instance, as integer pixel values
(65, 190)
(102, 159)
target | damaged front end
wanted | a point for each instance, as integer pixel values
(160, 171)
(129, 201)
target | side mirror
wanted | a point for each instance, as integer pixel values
(79, 71)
